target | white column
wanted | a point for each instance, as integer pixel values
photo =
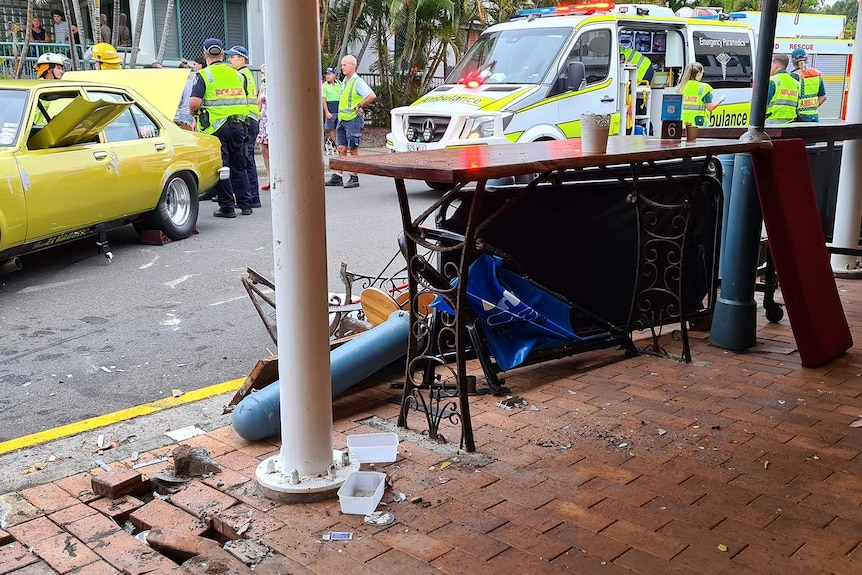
(848, 211)
(291, 41)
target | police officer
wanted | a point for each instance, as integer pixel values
(220, 102)
(238, 58)
(812, 90)
(783, 94)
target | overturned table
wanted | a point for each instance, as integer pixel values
(655, 208)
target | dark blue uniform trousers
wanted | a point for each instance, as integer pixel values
(233, 135)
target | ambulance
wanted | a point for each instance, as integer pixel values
(533, 77)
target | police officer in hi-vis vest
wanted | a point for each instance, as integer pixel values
(220, 102)
(783, 95)
(238, 58)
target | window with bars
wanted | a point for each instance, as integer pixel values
(197, 20)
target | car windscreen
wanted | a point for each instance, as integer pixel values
(511, 56)
(12, 105)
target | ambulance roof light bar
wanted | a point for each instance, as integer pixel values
(564, 9)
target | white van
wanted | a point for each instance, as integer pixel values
(531, 78)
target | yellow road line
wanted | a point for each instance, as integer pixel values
(122, 415)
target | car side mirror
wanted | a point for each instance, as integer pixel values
(576, 76)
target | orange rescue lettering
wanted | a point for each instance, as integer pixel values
(228, 92)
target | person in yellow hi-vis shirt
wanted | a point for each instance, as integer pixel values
(351, 118)
(697, 100)
(330, 89)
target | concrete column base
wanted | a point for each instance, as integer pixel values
(276, 483)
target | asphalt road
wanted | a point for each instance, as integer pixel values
(82, 336)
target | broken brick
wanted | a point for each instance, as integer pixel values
(119, 482)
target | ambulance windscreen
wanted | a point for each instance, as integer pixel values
(511, 57)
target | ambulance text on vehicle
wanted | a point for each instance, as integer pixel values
(531, 78)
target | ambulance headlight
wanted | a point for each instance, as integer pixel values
(479, 127)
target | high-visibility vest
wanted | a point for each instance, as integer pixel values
(251, 91)
(693, 106)
(638, 60)
(784, 100)
(225, 95)
(350, 98)
(807, 109)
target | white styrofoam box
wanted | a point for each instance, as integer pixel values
(361, 492)
(373, 447)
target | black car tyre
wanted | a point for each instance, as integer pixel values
(177, 211)
(438, 186)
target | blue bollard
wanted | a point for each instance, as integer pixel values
(727, 161)
(258, 415)
(734, 323)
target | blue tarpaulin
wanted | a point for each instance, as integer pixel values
(516, 316)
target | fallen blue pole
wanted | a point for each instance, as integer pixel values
(258, 415)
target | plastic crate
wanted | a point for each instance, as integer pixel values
(361, 492)
(373, 447)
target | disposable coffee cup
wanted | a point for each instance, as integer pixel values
(224, 173)
(690, 133)
(595, 129)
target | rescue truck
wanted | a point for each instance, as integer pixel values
(822, 37)
(531, 78)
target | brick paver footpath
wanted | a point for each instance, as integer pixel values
(738, 463)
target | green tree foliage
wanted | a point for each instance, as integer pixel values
(848, 8)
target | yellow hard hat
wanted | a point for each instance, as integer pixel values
(104, 53)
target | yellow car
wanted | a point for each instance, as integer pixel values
(79, 157)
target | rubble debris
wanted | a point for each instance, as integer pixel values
(193, 461)
(39, 466)
(103, 465)
(511, 402)
(380, 518)
(176, 392)
(185, 433)
(249, 551)
(150, 462)
(164, 483)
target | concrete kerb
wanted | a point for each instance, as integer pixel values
(78, 453)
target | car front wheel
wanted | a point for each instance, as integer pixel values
(177, 211)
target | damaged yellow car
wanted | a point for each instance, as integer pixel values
(79, 158)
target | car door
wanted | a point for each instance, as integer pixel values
(139, 148)
(64, 164)
(594, 55)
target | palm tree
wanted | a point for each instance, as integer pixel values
(95, 20)
(425, 27)
(25, 50)
(79, 22)
(165, 31)
(136, 39)
(73, 49)
(115, 24)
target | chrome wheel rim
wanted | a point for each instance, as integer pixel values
(178, 201)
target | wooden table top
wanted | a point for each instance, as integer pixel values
(474, 163)
(810, 132)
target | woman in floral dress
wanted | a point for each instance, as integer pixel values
(262, 137)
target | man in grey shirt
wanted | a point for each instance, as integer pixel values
(61, 27)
